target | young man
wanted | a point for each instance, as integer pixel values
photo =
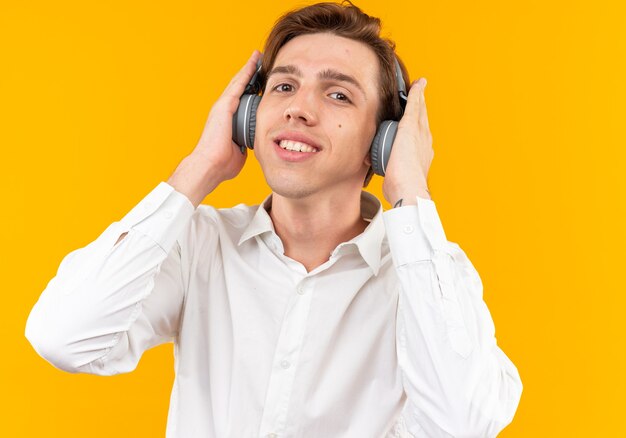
(314, 314)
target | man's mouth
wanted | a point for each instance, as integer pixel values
(296, 146)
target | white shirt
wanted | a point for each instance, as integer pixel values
(389, 338)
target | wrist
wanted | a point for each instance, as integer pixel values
(194, 178)
(408, 196)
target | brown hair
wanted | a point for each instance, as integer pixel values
(348, 21)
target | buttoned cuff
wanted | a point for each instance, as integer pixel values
(414, 232)
(162, 215)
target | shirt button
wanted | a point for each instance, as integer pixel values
(301, 290)
(408, 229)
(285, 364)
(272, 435)
(168, 214)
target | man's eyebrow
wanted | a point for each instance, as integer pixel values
(286, 69)
(335, 75)
(328, 74)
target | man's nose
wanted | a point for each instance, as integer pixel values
(302, 108)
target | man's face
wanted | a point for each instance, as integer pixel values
(317, 117)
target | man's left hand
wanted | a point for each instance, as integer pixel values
(412, 152)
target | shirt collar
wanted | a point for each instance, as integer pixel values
(261, 221)
(368, 243)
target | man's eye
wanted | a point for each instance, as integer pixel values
(339, 96)
(283, 88)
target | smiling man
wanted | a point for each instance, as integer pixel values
(315, 125)
(314, 314)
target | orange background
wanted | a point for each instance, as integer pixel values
(100, 101)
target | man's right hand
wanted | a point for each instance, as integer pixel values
(216, 157)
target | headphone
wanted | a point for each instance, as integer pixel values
(244, 121)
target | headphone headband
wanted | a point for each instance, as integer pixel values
(254, 85)
(402, 95)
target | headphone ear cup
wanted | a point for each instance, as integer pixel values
(381, 146)
(256, 100)
(244, 121)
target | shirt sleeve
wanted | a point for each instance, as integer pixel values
(457, 380)
(109, 301)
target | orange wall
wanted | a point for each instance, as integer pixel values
(100, 101)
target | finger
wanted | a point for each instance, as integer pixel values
(413, 99)
(416, 104)
(423, 113)
(238, 83)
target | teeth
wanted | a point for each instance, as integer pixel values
(296, 146)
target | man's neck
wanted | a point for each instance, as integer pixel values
(311, 228)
